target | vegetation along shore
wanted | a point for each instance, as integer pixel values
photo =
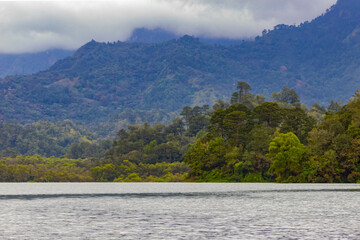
(246, 139)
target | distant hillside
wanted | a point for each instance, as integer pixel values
(28, 63)
(42, 138)
(320, 60)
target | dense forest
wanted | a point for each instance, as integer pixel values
(246, 139)
(102, 82)
(50, 139)
(28, 63)
(165, 111)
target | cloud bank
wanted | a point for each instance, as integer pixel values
(37, 26)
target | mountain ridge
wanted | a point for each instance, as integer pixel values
(319, 59)
(28, 63)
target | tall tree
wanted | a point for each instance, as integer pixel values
(239, 96)
(286, 153)
(286, 95)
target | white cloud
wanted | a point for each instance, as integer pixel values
(34, 26)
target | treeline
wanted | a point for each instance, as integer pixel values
(42, 169)
(50, 139)
(245, 140)
(278, 141)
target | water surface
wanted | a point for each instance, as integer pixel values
(179, 211)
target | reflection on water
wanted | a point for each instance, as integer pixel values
(179, 211)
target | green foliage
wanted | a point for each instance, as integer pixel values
(104, 173)
(318, 112)
(266, 141)
(239, 97)
(334, 106)
(195, 119)
(238, 139)
(149, 144)
(88, 150)
(29, 63)
(286, 153)
(112, 85)
(334, 146)
(40, 169)
(243, 96)
(232, 124)
(268, 113)
(287, 95)
(44, 138)
(253, 177)
(297, 121)
(204, 157)
(131, 172)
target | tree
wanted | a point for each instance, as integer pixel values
(268, 113)
(334, 106)
(259, 139)
(334, 146)
(317, 112)
(203, 157)
(243, 89)
(217, 122)
(195, 119)
(104, 173)
(219, 104)
(297, 121)
(286, 153)
(354, 109)
(177, 127)
(235, 127)
(287, 95)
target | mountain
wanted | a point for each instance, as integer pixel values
(100, 81)
(28, 63)
(158, 35)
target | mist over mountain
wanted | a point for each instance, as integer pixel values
(39, 26)
(154, 80)
(157, 35)
(28, 63)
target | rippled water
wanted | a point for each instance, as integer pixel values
(179, 211)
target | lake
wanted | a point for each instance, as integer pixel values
(179, 211)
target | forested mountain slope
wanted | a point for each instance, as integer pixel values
(28, 63)
(320, 60)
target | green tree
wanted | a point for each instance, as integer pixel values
(217, 123)
(334, 106)
(268, 113)
(104, 173)
(297, 121)
(203, 157)
(235, 125)
(219, 104)
(195, 119)
(286, 95)
(239, 96)
(286, 153)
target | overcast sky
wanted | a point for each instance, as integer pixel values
(35, 26)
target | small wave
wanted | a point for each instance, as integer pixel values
(167, 194)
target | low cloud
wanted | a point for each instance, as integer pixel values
(36, 26)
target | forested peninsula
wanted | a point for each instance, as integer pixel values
(246, 139)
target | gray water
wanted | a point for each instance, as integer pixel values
(179, 211)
